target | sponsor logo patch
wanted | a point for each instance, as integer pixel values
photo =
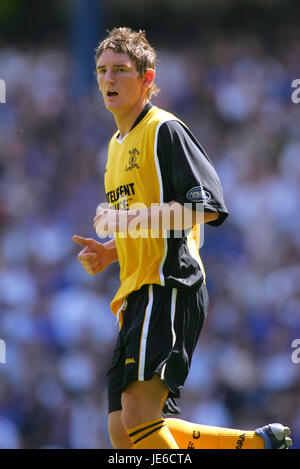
(198, 194)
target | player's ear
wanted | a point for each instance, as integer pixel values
(148, 77)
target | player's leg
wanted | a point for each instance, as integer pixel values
(143, 400)
(118, 436)
(186, 434)
(142, 403)
(194, 436)
(149, 339)
(127, 366)
(193, 304)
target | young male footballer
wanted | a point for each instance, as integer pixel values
(155, 161)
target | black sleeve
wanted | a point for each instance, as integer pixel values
(187, 172)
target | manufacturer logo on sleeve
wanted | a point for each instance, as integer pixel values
(198, 194)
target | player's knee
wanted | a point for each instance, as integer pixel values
(117, 433)
(119, 438)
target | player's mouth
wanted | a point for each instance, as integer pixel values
(111, 94)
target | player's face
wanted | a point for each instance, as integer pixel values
(121, 85)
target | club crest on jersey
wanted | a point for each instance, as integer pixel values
(132, 161)
(198, 194)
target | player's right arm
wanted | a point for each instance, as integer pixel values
(95, 256)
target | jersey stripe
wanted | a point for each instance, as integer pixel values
(161, 197)
(173, 311)
(195, 254)
(143, 343)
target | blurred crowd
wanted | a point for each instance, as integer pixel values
(235, 95)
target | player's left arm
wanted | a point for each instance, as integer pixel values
(168, 216)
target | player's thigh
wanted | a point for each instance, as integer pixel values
(118, 435)
(142, 401)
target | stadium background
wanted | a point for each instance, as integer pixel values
(225, 67)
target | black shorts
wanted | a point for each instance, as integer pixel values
(159, 333)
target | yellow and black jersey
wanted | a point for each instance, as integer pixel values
(158, 161)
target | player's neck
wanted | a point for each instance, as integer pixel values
(126, 120)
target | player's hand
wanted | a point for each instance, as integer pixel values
(94, 257)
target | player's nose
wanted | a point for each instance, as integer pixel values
(109, 77)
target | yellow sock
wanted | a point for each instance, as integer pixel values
(193, 436)
(152, 435)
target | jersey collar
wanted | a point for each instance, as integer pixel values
(139, 118)
(142, 115)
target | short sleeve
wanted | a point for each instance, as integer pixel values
(187, 172)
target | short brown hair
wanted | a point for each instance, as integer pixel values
(135, 45)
